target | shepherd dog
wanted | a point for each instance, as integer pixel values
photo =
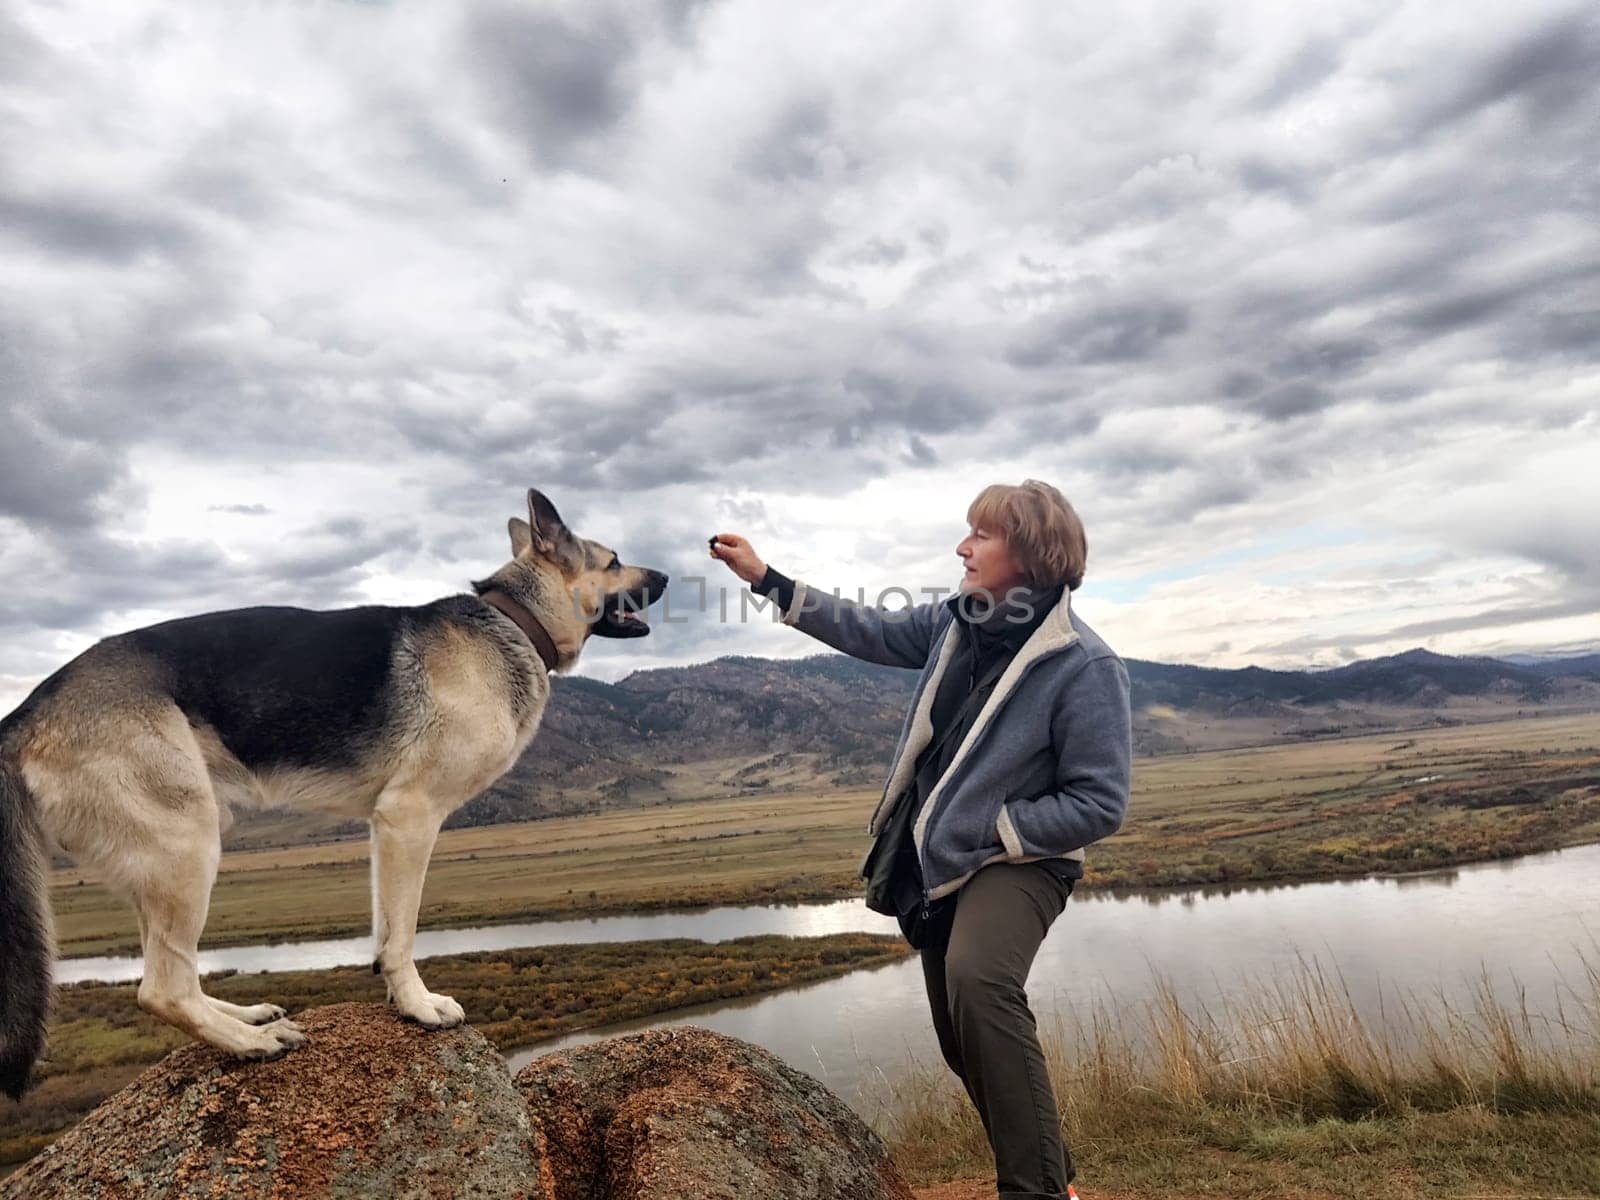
(131, 758)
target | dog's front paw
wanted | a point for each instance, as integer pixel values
(432, 1011)
(274, 1041)
(450, 1013)
(261, 1014)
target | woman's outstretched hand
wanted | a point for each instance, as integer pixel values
(740, 556)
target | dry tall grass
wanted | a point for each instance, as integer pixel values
(1294, 1087)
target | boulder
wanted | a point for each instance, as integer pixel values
(372, 1106)
(687, 1114)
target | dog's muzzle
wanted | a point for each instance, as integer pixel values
(623, 613)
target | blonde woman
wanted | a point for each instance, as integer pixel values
(1014, 757)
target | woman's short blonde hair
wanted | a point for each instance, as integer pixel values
(1043, 531)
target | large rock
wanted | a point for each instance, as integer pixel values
(373, 1106)
(686, 1114)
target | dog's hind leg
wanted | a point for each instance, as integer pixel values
(124, 789)
(250, 1014)
(173, 902)
(171, 834)
(404, 829)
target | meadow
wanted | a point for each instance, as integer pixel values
(1383, 803)
(1291, 1094)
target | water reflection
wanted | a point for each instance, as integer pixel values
(1427, 936)
(1431, 879)
(1516, 930)
(1186, 894)
(714, 924)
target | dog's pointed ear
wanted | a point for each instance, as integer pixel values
(521, 536)
(546, 522)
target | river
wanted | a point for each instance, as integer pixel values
(1426, 935)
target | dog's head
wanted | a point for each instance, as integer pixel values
(577, 588)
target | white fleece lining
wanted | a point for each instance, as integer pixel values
(918, 737)
(1008, 833)
(1055, 632)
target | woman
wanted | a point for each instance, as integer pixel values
(1014, 756)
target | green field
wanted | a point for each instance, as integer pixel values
(1390, 803)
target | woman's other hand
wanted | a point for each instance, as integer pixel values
(740, 556)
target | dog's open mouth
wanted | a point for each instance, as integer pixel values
(622, 617)
(622, 613)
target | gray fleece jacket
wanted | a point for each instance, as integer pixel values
(1044, 770)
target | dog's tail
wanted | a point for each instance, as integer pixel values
(26, 943)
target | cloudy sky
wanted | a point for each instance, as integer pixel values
(1299, 304)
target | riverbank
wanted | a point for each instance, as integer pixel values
(1292, 1093)
(1421, 943)
(1279, 814)
(100, 1040)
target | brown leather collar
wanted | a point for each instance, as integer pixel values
(525, 621)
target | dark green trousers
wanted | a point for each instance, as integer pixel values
(986, 1031)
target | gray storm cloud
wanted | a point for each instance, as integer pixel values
(297, 304)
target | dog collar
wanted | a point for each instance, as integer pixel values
(525, 621)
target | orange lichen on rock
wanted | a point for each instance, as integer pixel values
(376, 1107)
(687, 1114)
(371, 1106)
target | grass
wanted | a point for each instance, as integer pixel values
(1294, 1096)
(1356, 806)
(1281, 813)
(100, 1040)
(752, 850)
(1294, 1092)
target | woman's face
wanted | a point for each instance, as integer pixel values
(989, 564)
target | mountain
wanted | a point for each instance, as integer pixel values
(1587, 665)
(1416, 677)
(742, 725)
(730, 725)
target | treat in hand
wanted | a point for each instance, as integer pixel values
(740, 556)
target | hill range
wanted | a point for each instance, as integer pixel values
(741, 725)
